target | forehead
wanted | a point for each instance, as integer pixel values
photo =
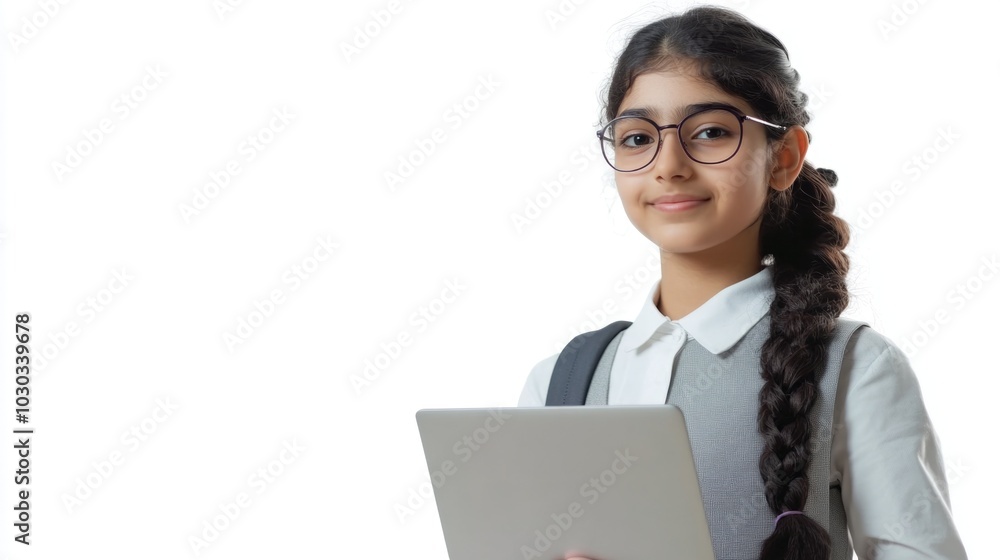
(664, 95)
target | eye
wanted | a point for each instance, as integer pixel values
(711, 126)
(711, 133)
(636, 140)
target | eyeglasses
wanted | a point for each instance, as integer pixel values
(711, 135)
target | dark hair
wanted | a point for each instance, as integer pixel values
(800, 238)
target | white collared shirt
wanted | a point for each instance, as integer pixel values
(885, 454)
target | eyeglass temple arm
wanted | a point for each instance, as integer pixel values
(761, 121)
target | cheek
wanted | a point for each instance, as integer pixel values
(629, 189)
(744, 180)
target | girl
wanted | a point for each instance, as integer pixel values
(704, 128)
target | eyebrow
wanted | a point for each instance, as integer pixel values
(651, 112)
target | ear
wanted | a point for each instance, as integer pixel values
(789, 156)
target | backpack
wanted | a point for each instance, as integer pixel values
(576, 364)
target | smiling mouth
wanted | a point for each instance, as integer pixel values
(679, 206)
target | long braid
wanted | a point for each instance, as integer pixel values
(806, 241)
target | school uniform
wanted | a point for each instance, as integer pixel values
(887, 480)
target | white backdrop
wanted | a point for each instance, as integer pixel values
(220, 213)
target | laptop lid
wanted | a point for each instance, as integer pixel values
(605, 482)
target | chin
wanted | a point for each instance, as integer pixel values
(672, 244)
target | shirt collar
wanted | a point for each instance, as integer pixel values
(717, 324)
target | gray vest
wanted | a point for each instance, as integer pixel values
(719, 398)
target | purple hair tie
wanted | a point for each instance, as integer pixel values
(784, 514)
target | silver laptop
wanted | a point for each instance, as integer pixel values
(604, 482)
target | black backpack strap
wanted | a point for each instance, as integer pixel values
(576, 363)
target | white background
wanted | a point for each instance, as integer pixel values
(879, 97)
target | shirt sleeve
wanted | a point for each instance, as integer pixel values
(888, 457)
(536, 388)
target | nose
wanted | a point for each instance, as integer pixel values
(672, 160)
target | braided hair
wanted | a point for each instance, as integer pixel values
(800, 239)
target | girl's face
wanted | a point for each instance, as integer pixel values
(732, 193)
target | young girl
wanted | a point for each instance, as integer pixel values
(704, 128)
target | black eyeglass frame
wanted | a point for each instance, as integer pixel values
(741, 117)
